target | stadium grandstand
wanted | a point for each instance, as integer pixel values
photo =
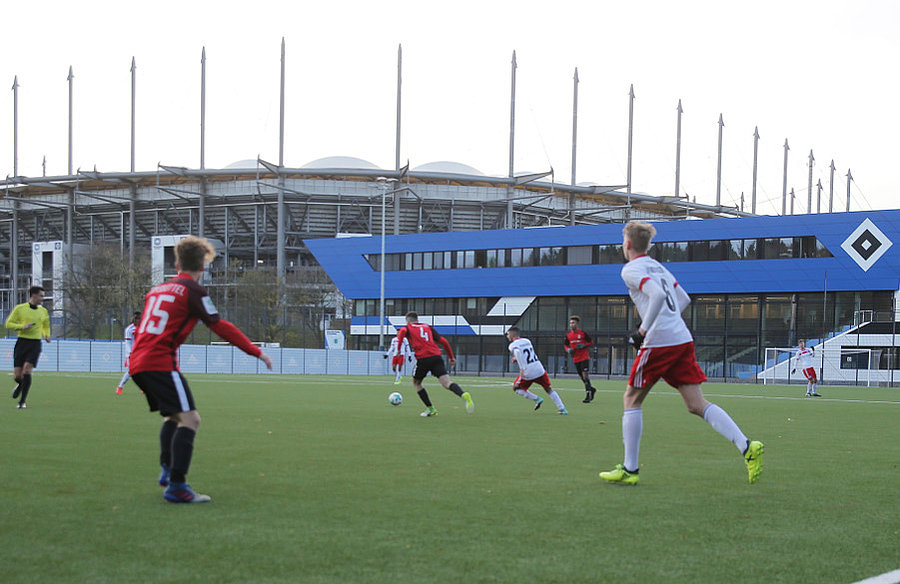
(260, 214)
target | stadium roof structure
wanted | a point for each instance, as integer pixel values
(262, 212)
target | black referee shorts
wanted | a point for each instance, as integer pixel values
(26, 351)
(434, 365)
(167, 392)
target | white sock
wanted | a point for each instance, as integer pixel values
(724, 425)
(809, 388)
(125, 379)
(814, 388)
(399, 375)
(556, 399)
(526, 393)
(632, 426)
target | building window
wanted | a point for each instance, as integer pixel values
(551, 256)
(579, 255)
(667, 251)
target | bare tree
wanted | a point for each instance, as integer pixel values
(99, 286)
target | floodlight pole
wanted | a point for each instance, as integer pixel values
(383, 182)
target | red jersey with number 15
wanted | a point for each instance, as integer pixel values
(171, 311)
(424, 340)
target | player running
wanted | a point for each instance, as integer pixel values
(424, 341)
(804, 358)
(31, 321)
(665, 349)
(399, 353)
(531, 370)
(129, 342)
(576, 344)
(170, 313)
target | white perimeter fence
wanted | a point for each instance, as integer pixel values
(109, 356)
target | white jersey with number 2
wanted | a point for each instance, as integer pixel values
(659, 300)
(526, 358)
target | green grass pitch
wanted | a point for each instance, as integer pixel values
(318, 479)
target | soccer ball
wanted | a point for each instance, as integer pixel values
(395, 398)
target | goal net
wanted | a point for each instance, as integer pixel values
(837, 365)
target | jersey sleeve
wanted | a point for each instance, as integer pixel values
(587, 341)
(201, 305)
(46, 324)
(12, 321)
(632, 276)
(233, 335)
(446, 344)
(682, 298)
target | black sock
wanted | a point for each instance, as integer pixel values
(24, 386)
(423, 395)
(587, 384)
(166, 433)
(182, 449)
(456, 389)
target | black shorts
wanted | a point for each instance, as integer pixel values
(583, 366)
(166, 391)
(26, 351)
(434, 365)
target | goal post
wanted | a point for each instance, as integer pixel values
(834, 365)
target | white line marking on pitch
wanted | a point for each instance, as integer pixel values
(886, 578)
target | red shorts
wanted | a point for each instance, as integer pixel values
(676, 364)
(397, 360)
(543, 381)
(810, 374)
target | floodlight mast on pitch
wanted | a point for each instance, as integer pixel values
(385, 184)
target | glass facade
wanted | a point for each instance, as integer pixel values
(731, 331)
(677, 251)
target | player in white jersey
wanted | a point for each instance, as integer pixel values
(399, 354)
(129, 342)
(804, 359)
(665, 350)
(531, 370)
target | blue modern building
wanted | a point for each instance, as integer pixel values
(756, 282)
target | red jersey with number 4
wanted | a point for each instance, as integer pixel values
(171, 311)
(424, 340)
(579, 341)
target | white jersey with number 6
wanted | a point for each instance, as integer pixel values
(526, 358)
(648, 280)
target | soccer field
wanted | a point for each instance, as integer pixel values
(318, 479)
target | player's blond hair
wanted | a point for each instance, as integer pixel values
(192, 253)
(639, 234)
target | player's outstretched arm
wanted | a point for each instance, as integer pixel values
(266, 359)
(446, 344)
(233, 335)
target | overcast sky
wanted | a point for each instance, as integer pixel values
(820, 74)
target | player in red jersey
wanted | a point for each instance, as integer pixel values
(171, 311)
(665, 350)
(576, 344)
(424, 341)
